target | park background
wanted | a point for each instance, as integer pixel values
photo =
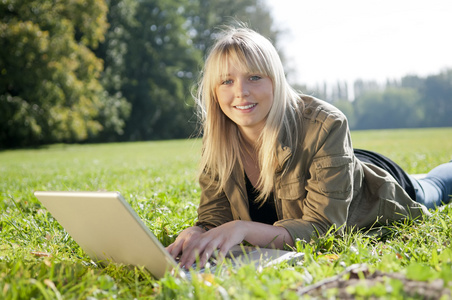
(76, 71)
(75, 74)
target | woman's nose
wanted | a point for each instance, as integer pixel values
(241, 89)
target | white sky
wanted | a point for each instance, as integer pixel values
(330, 40)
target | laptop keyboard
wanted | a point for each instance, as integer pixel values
(212, 262)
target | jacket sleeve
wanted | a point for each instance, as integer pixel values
(328, 182)
(214, 208)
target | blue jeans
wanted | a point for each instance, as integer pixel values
(435, 188)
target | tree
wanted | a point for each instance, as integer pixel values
(60, 81)
(437, 99)
(160, 65)
(113, 51)
(153, 52)
(49, 87)
(348, 109)
(205, 17)
(361, 87)
(412, 81)
(392, 108)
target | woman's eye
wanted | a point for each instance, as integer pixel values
(255, 77)
(228, 81)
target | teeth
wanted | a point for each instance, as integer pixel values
(245, 106)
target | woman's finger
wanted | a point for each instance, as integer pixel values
(175, 249)
(210, 249)
(192, 249)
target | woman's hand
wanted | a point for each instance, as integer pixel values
(187, 236)
(195, 241)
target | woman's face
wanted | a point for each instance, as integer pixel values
(245, 98)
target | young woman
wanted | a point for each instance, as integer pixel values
(278, 166)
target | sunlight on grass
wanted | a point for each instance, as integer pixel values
(415, 150)
(38, 259)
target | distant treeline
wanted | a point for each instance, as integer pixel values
(410, 102)
(123, 70)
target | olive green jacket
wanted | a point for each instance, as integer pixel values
(325, 185)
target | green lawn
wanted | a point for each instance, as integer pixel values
(159, 180)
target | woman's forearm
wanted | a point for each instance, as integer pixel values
(264, 235)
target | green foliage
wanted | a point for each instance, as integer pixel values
(348, 109)
(76, 70)
(153, 52)
(206, 16)
(411, 102)
(161, 66)
(392, 108)
(437, 98)
(115, 70)
(49, 87)
(39, 260)
(121, 15)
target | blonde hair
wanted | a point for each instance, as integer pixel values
(221, 151)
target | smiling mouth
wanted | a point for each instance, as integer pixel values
(243, 107)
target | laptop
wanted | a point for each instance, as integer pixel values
(107, 228)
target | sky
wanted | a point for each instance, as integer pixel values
(331, 40)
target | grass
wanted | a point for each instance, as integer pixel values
(39, 260)
(415, 150)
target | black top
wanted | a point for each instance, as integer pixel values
(388, 165)
(265, 213)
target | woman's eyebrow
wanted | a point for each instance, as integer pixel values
(246, 73)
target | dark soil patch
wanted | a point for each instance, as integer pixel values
(358, 281)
